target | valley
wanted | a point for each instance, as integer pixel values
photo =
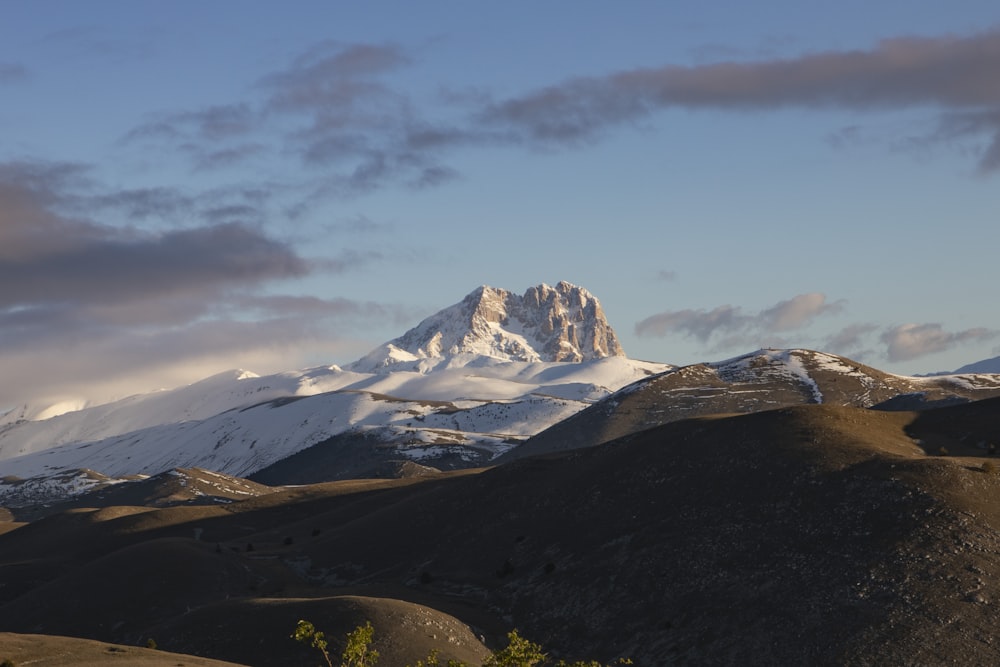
(780, 507)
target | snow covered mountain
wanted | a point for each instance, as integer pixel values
(495, 369)
(465, 387)
(547, 324)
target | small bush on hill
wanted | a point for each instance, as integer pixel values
(519, 651)
(357, 652)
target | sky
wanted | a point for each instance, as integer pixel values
(188, 187)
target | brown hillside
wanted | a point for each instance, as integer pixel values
(764, 380)
(807, 535)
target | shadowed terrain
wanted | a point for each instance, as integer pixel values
(814, 534)
(763, 380)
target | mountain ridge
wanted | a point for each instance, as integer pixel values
(763, 380)
(489, 387)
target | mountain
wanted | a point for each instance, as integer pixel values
(473, 385)
(984, 366)
(810, 535)
(451, 417)
(513, 366)
(762, 380)
(547, 324)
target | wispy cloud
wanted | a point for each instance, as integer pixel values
(905, 342)
(666, 275)
(852, 340)
(358, 224)
(797, 312)
(333, 110)
(700, 324)
(732, 322)
(955, 74)
(338, 111)
(12, 73)
(212, 123)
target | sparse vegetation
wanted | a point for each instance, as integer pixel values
(357, 652)
(519, 652)
(306, 633)
(7, 662)
(151, 643)
(989, 467)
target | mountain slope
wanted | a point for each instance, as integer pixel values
(762, 380)
(991, 365)
(816, 534)
(465, 415)
(482, 376)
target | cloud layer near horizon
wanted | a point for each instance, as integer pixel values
(729, 327)
(794, 313)
(85, 304)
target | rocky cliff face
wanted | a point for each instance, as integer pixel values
(561, 323)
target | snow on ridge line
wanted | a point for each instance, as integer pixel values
(544, 393)
(794, 364)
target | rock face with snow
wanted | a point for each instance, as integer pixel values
(547, 324)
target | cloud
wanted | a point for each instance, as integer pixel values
(666, 276)
(334, 81)
(850, 338)
(795, 313)
(12, 73)
(142, 203)
(954, 73)
(108, 268)
(213, 123)
(910, 341)
(226, 157)
(310, 307)
(700, 324)
(972, 124)
(358, 224)
(122, 361)
(332, 109)
(49, 257)
(83, 300)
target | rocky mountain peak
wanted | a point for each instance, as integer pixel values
(561, 323)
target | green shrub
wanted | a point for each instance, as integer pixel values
(306, 633)
(519, 652)
(357, 652)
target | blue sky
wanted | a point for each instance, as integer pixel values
(187, 187)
